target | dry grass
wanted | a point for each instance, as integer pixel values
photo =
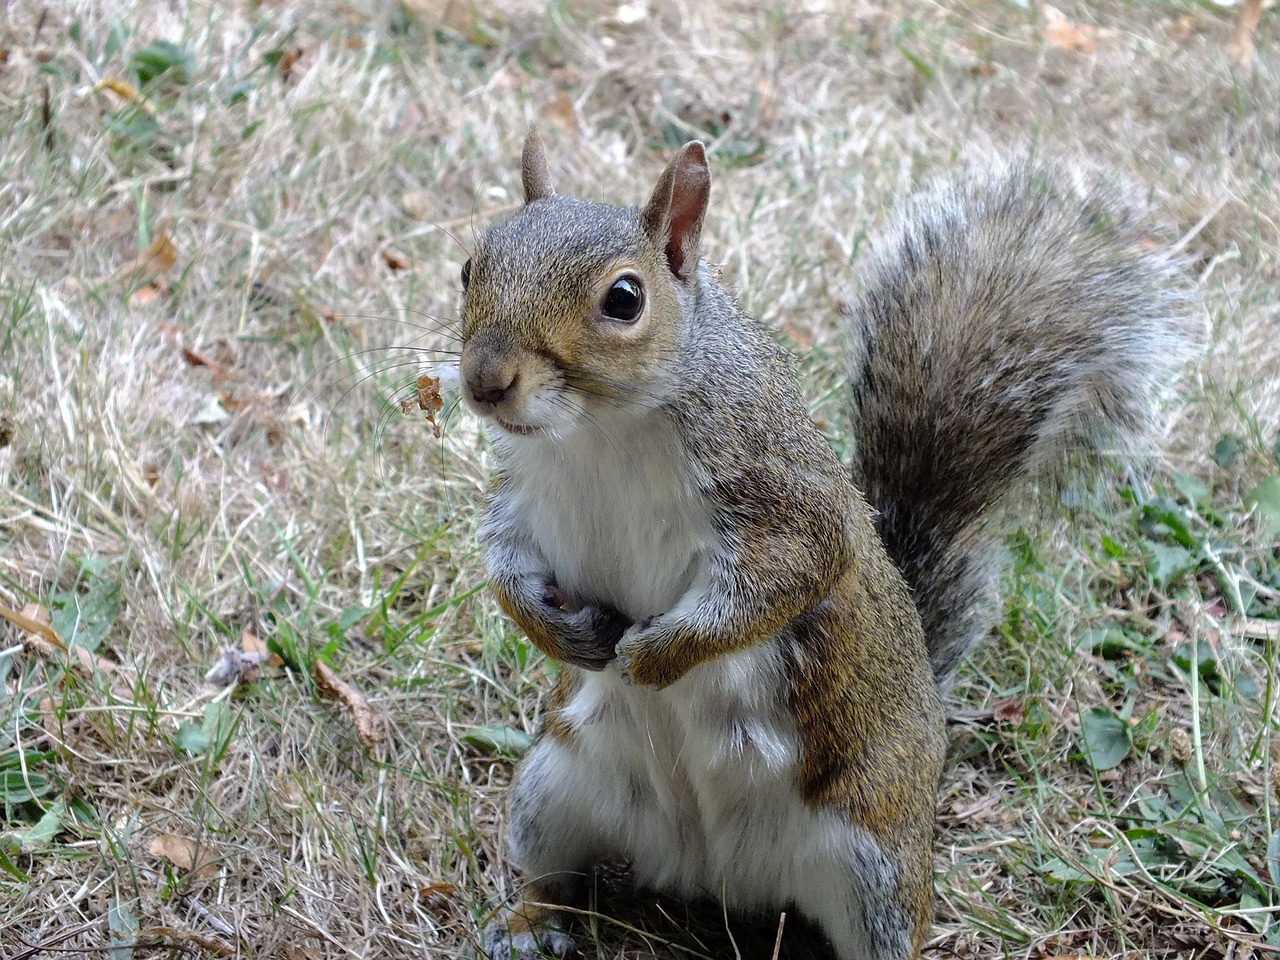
(319, 212)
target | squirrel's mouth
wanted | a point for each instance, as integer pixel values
(519, 429)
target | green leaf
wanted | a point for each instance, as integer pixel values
(498, 738)
(16, 788)
(1273, 858)
(1110, 642)
(194, 739)
(1194, 490)
(124, 929)
(191, 738)
(1106, 738)
(1166, 564)
(1266, 500)
(1113, 548)
(8, 866)
(1165, 520)
(1225, 451)
(43, 830)
(161, 58)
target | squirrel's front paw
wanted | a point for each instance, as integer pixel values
(645, 656)
(501, 944)
(590, 636)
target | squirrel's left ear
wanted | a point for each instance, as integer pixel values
(673, 216)
(534, 176)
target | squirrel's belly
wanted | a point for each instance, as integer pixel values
(713, 759)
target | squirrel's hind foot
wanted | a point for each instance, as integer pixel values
(532, 944)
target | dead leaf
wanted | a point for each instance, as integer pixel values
(561, 112)
(1182, 29)
(154, 262)
(144, 296)
(416, 204)
(185, 854)
(438, 899)
(126, 91)
(427, 399)
(181, 935)
(1010, 711)
(1059, 32)
(1240, 49)
(368, 727)
(395, 259)
(34, 619)
(289, 60)
(1255, 628)
(251, 644)
(294, 951)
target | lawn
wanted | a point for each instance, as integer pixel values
(230, 241)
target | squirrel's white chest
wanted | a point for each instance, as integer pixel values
(617, 513)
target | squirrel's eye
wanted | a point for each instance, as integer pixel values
(624, 301)
(466, 274)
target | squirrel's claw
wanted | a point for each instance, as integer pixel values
(501, 944)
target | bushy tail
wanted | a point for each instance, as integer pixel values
(1006, 328)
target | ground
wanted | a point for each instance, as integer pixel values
(230, 239)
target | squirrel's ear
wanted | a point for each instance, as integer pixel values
(533, 168)
(673, 216)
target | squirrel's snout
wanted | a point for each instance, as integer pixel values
(489, 381)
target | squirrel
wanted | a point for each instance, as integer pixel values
(756, 640)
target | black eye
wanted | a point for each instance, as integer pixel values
(624, 301)
(466, 274)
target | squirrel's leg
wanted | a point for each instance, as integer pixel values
(868, 900)
(553, 843)
(573, 803)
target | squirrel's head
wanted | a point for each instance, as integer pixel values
(572, 308)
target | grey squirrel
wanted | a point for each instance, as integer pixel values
(755, 643)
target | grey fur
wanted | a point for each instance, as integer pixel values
(1007, 326)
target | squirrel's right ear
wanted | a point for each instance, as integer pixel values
(673, 216)
(534, 175)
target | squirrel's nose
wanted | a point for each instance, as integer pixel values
(491, 383)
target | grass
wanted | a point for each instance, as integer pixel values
(198, 447)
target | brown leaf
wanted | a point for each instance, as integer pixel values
(289, 60)
(561, 112)
(1059, 32)
(395, 259)
(294, 951)
(185, 854)
(126, 91)
(251, 644)
(1182, 29)
(427, 399)
(1009, 711)
(1240, 49)
(416, 204)
(438, 899)
(34, 619)
(368, 727)
(212, 946)
(152, 263)
(144, 296)
(1256, 628)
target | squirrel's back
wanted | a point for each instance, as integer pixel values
(1007, 329)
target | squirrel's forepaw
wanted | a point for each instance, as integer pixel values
(643, 659)
(501, 944)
